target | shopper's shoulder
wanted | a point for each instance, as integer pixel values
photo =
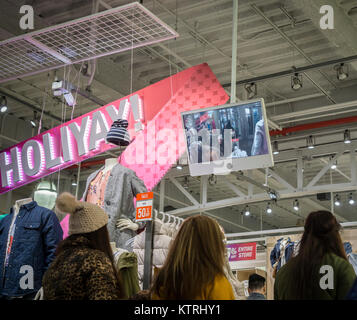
(96, 257)
(335, 261)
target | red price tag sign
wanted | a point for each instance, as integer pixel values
(144, 203)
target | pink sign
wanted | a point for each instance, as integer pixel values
(154, 121)
(242, 251)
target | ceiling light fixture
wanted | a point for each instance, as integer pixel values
(296, 205)
(275, 147)
(247, 212)
(334, 164)
(185, 185)
(296, 81)
(310, 142)
(351, 201)
(273, 195)
(251, 89)
(179, 167)
(347, 136)
(3, 104)
(269, 210)
(337, 200)
(341, 71)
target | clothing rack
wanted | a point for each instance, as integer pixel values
(176, 220)
(149, 242)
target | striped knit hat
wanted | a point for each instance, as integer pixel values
(118, 133)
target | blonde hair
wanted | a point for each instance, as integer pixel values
(195, 258)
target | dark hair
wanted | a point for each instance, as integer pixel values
(98, 239)
(195, 258)
(321, 236)
(256, 282)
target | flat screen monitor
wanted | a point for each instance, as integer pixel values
(226, 138)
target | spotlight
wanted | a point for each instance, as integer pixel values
(341, 72)
(185, 185)
(296, 82)
(247, 212)
(273, 195)
(351, 200)
(296, 205)
(3, 104)
(33, 123)
(337, 200)
(347, 136)
(74, 184)
(310, 142)
(334, 164)
(212, 180)
(251, 89)
(269, 210)
(275, 147)
(179, 167)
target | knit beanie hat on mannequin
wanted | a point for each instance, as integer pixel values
(84, 216)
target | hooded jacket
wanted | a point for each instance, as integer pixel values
(80, 272)
(122, 187)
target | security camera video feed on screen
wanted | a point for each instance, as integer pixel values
(226, 132)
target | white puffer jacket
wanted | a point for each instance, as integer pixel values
(163, 235)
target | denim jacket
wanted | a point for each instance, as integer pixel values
(36, 236)
(287, 254)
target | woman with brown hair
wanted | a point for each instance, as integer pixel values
(194, 267)
(320, 271)
(84, 266)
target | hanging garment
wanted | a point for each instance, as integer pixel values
(352, 257)
(282, 252)
(122, 187)
(127, 265)
(36, 234)
(161, 243)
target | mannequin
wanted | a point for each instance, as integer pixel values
(109, 164)
(29, 237)
(20, 203)
(113, 187)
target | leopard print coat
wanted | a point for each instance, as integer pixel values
(80, 273)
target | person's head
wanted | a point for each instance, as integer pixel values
(256, 283)
(195, 258)
(321, 236)
(86, 220)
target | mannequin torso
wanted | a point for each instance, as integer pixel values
(109, 164)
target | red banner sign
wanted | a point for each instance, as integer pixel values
(242, 251)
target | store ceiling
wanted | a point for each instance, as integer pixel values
(205, 28)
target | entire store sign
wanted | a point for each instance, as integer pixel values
(144, 204)
(155, 127)
(242, 251)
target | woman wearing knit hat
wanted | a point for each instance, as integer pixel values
(83, 268)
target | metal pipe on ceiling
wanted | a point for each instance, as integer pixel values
(287, 38)
(314, 125)
(293, 70)
(234, 51)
